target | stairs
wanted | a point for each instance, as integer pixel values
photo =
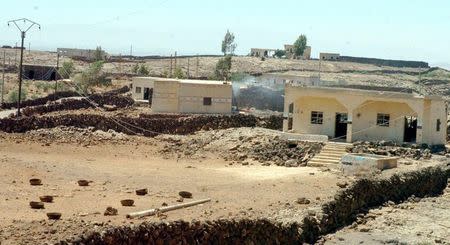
(331, 154)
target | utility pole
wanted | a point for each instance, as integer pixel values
(29, 48)
(175, 60)
(196, 69)
(3, 76)
(320, 67)
(22, 35)
(170, 73)
(188, 69)
(131, 51)
(56, 73)
(15, 55)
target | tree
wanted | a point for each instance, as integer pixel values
(135, 69)
(228, 44)
(98, 54)
(66, 70)
(279, 53)
(178, 73)
(143, 70)
(93, 76)
(300, 45)
(223, 68)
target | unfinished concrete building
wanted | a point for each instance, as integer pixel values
(289, 49)
(329, 56)
(40, 72)
(184, 96)
(85, 54)
(365, 115)
(262, 52)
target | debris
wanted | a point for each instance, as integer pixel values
(142, 192)
(127, 202)
(46, 198)
(37, 205)
(185, 194)
(35, 182)
(83, 182)
(165, 209)
(303, 200)
(54, 216)
(110, 211)
(342, 184)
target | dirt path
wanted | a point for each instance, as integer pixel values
(118, 169)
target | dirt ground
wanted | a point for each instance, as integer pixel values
(118, 168)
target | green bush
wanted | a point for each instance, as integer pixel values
(14, 95)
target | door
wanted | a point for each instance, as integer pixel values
(410, 129)
(341, 126)
(146, 93)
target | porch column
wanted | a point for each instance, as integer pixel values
(349, 126)
(419, 132)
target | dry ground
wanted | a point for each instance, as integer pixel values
(118, 168)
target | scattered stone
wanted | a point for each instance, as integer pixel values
(185, 194)
(303, 200)
(342, 184)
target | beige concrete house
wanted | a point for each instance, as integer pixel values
(191, 96)
(142, 88)
(366, 115)
(329, 56)
(289, 48)
(286, 77)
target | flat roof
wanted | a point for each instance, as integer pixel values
(365, 92)
(188, 81)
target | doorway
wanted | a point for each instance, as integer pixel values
(146, 93)
(31, 74)
(410, 133)
(341, 126)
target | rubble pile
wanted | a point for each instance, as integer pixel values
(107, 101)
(241, 145)
(388, 148)
(135, 125)
(85, 136)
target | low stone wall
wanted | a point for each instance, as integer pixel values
(141, 125)
(93, 101)
(347, 204)
(389, 148)
(59, 95)
(385, 62)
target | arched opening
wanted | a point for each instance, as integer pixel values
(53, 76)
(30, 74)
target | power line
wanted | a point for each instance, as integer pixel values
(22, 35)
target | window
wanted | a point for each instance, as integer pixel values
(316, 117)
(383, 120)
(207, 101)
(138, 90)
(438, 125)
(291, 108)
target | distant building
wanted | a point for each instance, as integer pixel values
(365, 115)
(85, 54)
(329, 56)
(286, 78)
(184, 96)
(40, 72)
(261, 52)
(289, 49)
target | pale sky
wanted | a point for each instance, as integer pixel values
(392, 29)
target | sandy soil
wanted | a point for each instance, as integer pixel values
(117, 169)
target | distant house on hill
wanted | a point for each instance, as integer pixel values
(289, 48)
(84, 54)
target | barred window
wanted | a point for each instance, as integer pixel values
(383, 119)
(316, 117)
(138, 90)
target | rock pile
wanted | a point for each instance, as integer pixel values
(85, 136)
(388, 148)
(242, 144)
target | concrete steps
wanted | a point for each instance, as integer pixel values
(331, 154)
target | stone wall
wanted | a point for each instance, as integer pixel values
(343, 210)
(139, 125)
(384, 62)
